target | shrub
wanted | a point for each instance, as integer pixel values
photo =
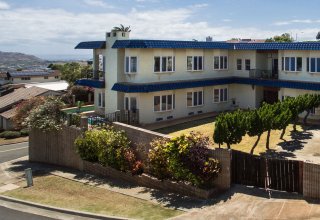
(184, 158)
(47, 116)
(10, 134)
(109, 147)
(24, 132)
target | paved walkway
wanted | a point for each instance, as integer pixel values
(248, 203)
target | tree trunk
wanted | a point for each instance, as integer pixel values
(295, 123)
(255, 144)
(283, 132)
(268, 140)
(228, 145)
(219, 145)
(306, 116)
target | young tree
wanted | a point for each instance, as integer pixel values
(220, 130)
(282, 117)
(254, 127)
(267, 115)
(296, 106)
(71, 72)
(310, 101)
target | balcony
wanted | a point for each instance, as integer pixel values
(263, 74)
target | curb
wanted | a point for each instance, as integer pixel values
(61, 210)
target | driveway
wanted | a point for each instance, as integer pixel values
(13, 151)
(250, 203)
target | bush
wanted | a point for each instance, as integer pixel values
(46, 117)
(10, 134)
(24, 132)
(184, 158)
(110, 148)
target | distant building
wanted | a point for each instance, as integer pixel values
(4, 78)
(34, 76)
(9, 102)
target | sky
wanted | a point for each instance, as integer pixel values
(48, 28)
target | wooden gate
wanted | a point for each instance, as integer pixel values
(277, 174)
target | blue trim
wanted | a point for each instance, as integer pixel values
(91, 83)
(91, 45)
(215, 45)
(162, 86)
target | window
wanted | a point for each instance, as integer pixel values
(194, 63)
(131, 64)
(220, 95)
(130, 103)
(194, 98)
(248, 64)
(313, 65)
(239, 64)
(101, 100)
(164, 64)
(56, 77)
(220, 62)
(163, 103)
(291, 64)
(46, 77)
(25, 78)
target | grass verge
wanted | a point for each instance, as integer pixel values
(60, 192)
(13, 141)
(206, 127)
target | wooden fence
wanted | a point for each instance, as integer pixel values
(277, 174)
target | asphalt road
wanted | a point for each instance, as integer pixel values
(13, 151)
(10, 214)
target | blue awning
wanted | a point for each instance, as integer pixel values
(94, 83)
(185, 84)
(91, 45)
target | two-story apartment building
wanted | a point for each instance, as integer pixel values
(34, 76)
(173, 79)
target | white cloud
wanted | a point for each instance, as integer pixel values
(98, 3)
(296, 21)
(226, 20)
(57, 31)
(203, 5)
(4, 5)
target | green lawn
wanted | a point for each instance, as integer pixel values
(206, 127)
(60, 192)
(86, 108)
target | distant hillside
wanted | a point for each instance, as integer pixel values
(10, 60)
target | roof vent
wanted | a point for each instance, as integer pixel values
(209, 39)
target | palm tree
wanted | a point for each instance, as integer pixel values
(122, 28)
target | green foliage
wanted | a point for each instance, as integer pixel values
(24, 132)
(71, 72)
(10, 134)
(81, 93)
(23, 110)
(230, 128)
(184, 158)
(286, 37)
(47, 116)
(109, 147)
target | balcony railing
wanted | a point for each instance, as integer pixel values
(262, 74)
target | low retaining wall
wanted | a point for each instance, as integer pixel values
(150, 182)
(311, 180)
(57, 147)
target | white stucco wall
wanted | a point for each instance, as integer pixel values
(36, 80)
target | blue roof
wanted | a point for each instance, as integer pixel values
(170, 44)
(29, 73)
(215, 45)
(91, 45)
(94, 83)
(162, 86)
